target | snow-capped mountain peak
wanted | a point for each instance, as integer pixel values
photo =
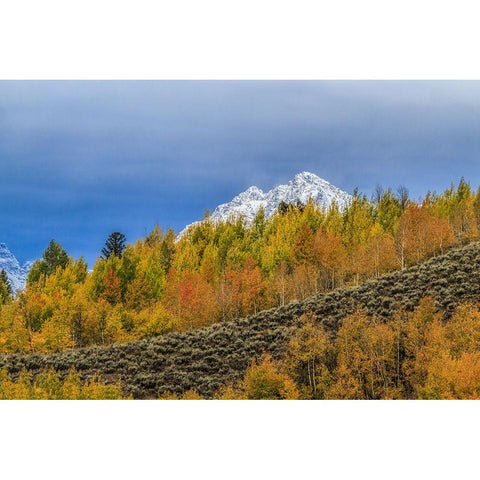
(16, 273)
(251, 193)
(302, 187)
(307, 177)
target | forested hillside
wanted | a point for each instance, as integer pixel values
(220, 271)
(162, 315)
(211, 357)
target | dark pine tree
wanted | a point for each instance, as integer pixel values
(5, 287)
(6, 281)
(115, 245)
(300, 206)
(283, 207)
(53, 257)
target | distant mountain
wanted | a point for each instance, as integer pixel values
(16, 273)
(303, 187)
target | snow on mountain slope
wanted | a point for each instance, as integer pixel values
(16, 273)
(304, 186)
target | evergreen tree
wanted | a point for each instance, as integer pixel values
(115, 245)
(53, 257)
(5, 287)
(300, 206)
(4, 279)
(283, 207)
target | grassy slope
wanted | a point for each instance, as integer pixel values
(209, 357)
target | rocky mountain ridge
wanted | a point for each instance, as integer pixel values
(16, 273)
(301, 188)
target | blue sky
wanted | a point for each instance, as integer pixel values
(81, 159)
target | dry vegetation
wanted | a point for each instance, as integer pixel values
(209, 358)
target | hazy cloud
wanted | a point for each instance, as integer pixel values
(79, 159)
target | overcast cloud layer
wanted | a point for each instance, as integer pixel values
(81, 159)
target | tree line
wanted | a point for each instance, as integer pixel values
(218, 271)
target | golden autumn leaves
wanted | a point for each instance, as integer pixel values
(413, 355)
(221, 271)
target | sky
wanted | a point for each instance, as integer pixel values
(80, 159)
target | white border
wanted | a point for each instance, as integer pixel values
(239, 440)
(222, 39)
(251, 39)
